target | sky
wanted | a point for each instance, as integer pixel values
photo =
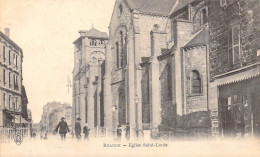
(45, 30)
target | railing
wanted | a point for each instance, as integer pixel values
(7, 133)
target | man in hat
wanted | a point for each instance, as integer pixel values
(78, 129)
(63, 129)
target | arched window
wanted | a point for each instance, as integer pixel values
(195, 82)
(120, 10)
(117, 55)
(122, 48)
(203, 16)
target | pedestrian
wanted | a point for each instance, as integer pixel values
(72, 134)
(119, 132)
(127, 132)
(78, 129)
(41, 135)
(63, 129)
(86, 131)
(46, 135)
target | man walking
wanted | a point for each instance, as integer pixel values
(78, 129)
(63, 129)
(86, 132)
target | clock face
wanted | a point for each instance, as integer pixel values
(96, 56)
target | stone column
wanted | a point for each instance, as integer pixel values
(91, 102)
(98, 93)
(155, 96)
(131, 84)
(138, 87)
(108, 93)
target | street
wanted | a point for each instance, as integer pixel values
(100, 147)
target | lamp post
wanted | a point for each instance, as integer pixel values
(136, 99)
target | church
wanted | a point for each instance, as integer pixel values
(156, 78)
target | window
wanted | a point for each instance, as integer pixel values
(122, 48)
(9, 56)
(4, 103)
(10, 79)
(93, 42)
(14, 58)
(9, 102)
(117, 55)
(223, 3)
(172, 29)
(16, 61)
(234, 45)
(146, 86)
(4, 57)
(195, 82)
(4, 76)
(14, 78)
(120, 9)
(203, 16)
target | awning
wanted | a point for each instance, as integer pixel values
(20, 119)
(237, 76)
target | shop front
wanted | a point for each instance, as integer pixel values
(239, 108)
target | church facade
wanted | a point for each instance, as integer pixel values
(156, 78)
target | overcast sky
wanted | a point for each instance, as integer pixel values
(45, 30)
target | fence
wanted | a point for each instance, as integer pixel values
(7, 133)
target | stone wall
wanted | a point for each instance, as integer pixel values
(245, 14)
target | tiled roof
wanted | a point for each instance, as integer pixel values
(200, 39)
(155, 7)
(93, 32)
(180, 4)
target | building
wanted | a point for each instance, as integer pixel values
(157, 75)
(50, 118)
(235, 67)
(89, 54)
(56, 115)
(130, 93)
(13, 96)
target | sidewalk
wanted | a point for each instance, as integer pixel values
(54, 147)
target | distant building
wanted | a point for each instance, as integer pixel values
(89, 54)
(51, 117)
(12, 92)
(56, 115)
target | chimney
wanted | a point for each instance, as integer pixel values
(7, 32)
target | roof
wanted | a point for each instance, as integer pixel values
(202, 38)
(182, 3)
(93, 32)
(155, 7)
(10, 41)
